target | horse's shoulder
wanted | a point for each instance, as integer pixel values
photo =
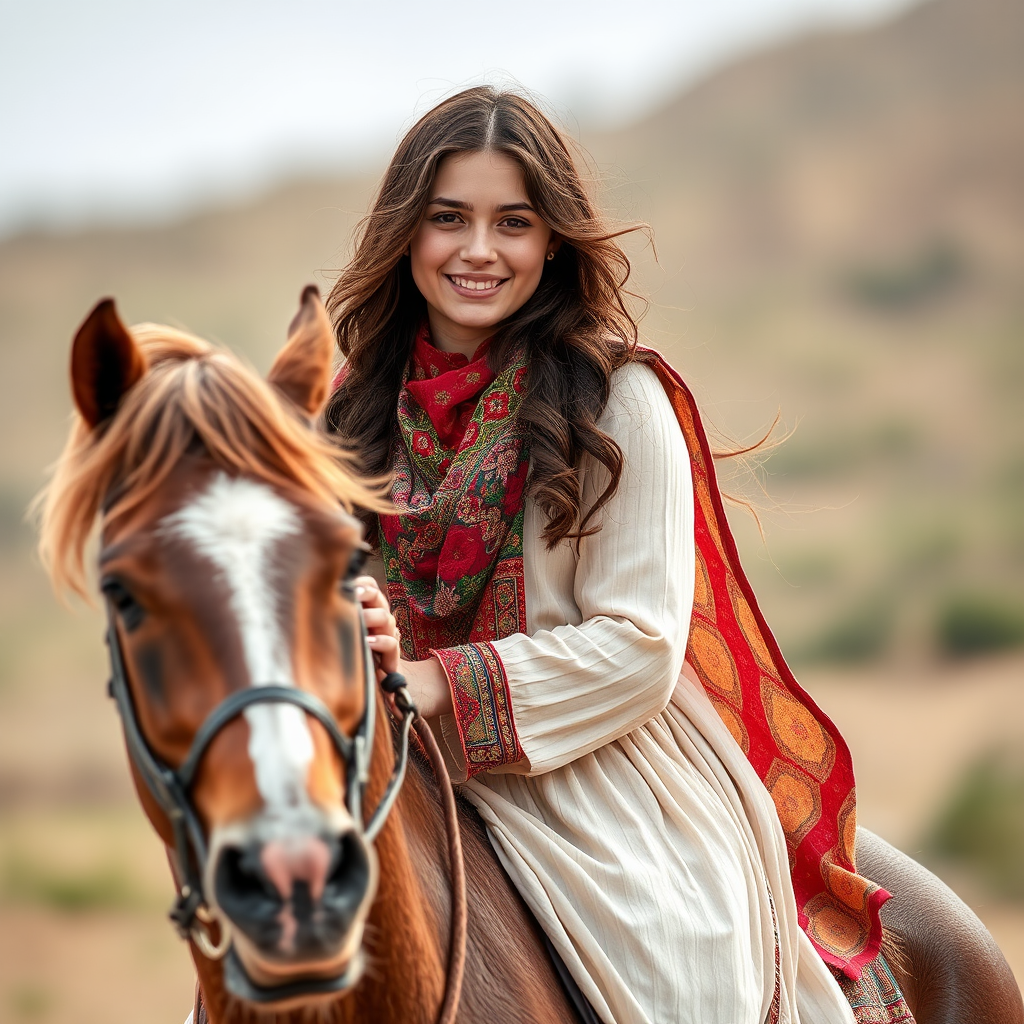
(946, 962)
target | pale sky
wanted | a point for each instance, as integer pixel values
(121, 110)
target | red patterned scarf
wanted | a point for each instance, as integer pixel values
(453, 553)
(446, 386)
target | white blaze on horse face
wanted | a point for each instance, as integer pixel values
(237, 525)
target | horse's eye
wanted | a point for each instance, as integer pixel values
(129, 610)
(355, 564)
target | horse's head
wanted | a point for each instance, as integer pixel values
(225, 557)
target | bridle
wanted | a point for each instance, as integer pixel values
(169, 788)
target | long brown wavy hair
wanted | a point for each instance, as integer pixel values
(575, 329)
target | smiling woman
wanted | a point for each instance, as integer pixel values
(572, 615)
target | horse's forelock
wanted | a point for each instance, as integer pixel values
(193, 395)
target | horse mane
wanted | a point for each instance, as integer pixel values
(194, 396)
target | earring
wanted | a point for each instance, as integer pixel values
(551, 255)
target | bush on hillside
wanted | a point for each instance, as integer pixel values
(903, 286)
(861, 634)
(972, 624)
(104, 888)
(981, 827)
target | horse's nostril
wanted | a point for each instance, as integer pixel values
(240, 881)
(350, 874)
(298, 860)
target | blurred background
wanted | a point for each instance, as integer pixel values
(836, 192)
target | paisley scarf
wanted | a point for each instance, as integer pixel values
(453, 552)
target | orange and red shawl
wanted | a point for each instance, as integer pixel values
(793, 746)
(797, 752)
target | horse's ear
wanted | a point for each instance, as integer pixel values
(302, 369)
(105, 363)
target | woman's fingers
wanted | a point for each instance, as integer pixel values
(386, 650)
(379, 620)
(376, 610)
(370, 595)
(380, 624)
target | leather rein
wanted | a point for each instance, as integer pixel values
(169, 788)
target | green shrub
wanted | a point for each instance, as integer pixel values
(102, 888)
(30, 1001)
(982, 825)
(14, 531)
(970, 624)
(901, 286)
(861, 634)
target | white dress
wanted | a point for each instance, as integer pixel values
(634, 827)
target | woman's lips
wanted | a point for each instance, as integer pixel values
(475, 288)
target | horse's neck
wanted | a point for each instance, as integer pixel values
(406, 937)
(407, 932)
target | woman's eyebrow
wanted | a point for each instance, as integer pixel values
(458, 204)
(455, 204)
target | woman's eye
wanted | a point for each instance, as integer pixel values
(515, 222)
(446, 218)
(130, 611)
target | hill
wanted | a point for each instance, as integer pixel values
(837, 222)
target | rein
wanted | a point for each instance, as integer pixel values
(457, 948)
(170, 787)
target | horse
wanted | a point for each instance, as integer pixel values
(316, 858)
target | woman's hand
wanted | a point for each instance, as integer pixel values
(380, 625)
(428, 685)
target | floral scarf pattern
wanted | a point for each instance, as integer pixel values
(453, 551)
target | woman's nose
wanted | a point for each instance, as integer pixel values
(479, 247)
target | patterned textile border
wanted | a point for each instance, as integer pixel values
(483, 706)
(792, 745)
(875, 996)
(775, 1010)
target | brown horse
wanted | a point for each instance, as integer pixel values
(256, 733)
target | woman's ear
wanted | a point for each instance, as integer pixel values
(554, 245)
(105, 363)
(302, 369)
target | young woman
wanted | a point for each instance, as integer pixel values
(673, 808)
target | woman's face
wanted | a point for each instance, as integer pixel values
(479, 251)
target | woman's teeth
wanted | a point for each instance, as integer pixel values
(476, 286)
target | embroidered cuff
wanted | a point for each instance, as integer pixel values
(483, 706)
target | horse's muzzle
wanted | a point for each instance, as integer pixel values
(296, 899)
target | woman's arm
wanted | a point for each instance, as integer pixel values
(429, 686)
(575, 687)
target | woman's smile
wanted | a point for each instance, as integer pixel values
(479, 251)
(477, 288)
